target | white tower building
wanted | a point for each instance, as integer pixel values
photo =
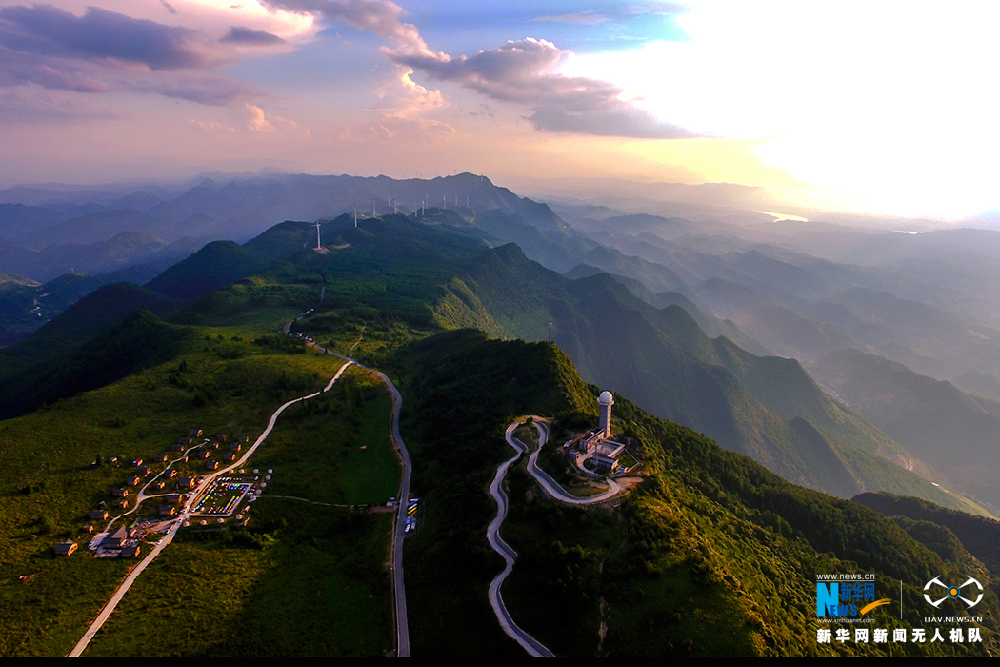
(606, 400)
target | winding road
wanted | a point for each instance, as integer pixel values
(533, 647)
(549, 485)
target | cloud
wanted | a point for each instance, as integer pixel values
(252, 120)
(65, 74)
(168, 7)
(52, 73)
(191, 86)
(615, 120)
(258, 121)
(104, 51)
(101, 35)
(524, 72)
(401, 97)
(248, 37)
(211, 126)
(381, 17)
(521, 72)
(658, 8)
(415, 130)
(397, 131)
(514, 72)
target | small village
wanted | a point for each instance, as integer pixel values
(155, 493)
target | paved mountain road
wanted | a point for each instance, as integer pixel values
(531, 645)
(403, 503)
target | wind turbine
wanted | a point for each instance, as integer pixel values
(355, 217)
(318, 246)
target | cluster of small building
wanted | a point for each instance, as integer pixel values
(209, 447)
(170, 480)
(184, 444)
(123, 543)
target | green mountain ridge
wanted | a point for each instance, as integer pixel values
(433, 278)
(922, 413)
(93, 314)
(979, 534)
(740, 400)
(140, 341)
(709, 532)
(26, 307)
(213, 267)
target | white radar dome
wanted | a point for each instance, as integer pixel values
(606, 398)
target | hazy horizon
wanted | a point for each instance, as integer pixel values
(838, 107)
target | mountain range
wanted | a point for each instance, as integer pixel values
(501, 308)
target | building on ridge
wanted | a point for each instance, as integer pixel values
(605, 401)
(597, 445)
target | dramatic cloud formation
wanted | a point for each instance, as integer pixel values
(521, 72)
(524, 72)
(104, 51)
(101, 35)
(380, 17)
(401, 97)
(870, 103)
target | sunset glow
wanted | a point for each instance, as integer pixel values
(880, 108)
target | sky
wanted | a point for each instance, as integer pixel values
(882, 107)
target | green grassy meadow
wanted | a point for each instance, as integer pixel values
(222, 383)
(315, 586)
